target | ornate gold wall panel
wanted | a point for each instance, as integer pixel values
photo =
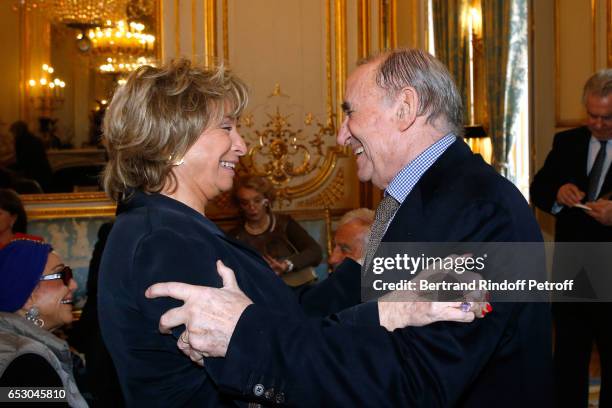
(331, 194)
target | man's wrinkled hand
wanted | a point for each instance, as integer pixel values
(399, 309)
(209, 314)
(394, 314)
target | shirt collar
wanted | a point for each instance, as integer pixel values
(404, 181)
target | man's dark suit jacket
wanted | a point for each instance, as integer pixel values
(567, 163)
(503, 360)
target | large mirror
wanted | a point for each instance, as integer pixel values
(67, 60)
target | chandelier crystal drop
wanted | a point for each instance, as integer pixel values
(85, 12)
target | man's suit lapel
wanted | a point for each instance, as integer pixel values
(407, 220)
(408, 223)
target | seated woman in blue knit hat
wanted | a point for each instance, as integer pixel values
(36, 291)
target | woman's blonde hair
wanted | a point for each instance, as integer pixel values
(157, 116)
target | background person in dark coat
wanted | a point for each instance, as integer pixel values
(577, 171)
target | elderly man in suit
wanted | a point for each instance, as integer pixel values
(577, 173)
(351, 236)
(403, 122)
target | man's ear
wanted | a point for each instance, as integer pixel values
(406, 107)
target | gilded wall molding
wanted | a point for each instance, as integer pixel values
(364, 28)
(177, 28)
(340, 36)
(210, 32)
(194, 24)
(225, 30)
(24, 33)
(609, 32)
(387, 24)
(332, 194)
(56, 198)
(71, 212)
(160, 32)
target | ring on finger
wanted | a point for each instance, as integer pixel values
(184, 337)
(465, 306)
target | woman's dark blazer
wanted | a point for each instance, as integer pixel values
(157, 239)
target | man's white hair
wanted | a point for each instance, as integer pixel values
(365, 215)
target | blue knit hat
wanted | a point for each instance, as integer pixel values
(22, 263)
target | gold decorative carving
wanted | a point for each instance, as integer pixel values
(281, 153)
(330, 196)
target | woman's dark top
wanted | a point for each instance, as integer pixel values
(284, 239)
(158, 239)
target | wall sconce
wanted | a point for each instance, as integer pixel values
(46, 94)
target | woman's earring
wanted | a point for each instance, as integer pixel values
(178, 163)
(33, 315)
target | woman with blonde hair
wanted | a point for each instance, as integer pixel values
(173, 146)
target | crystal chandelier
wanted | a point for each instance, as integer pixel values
(123, 66)
(121, 39)
(85, 13)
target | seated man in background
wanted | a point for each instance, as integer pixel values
(351, 236)
(342, 289)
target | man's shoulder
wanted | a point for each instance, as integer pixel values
(573, 135)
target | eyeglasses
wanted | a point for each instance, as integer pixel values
(65, 274)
